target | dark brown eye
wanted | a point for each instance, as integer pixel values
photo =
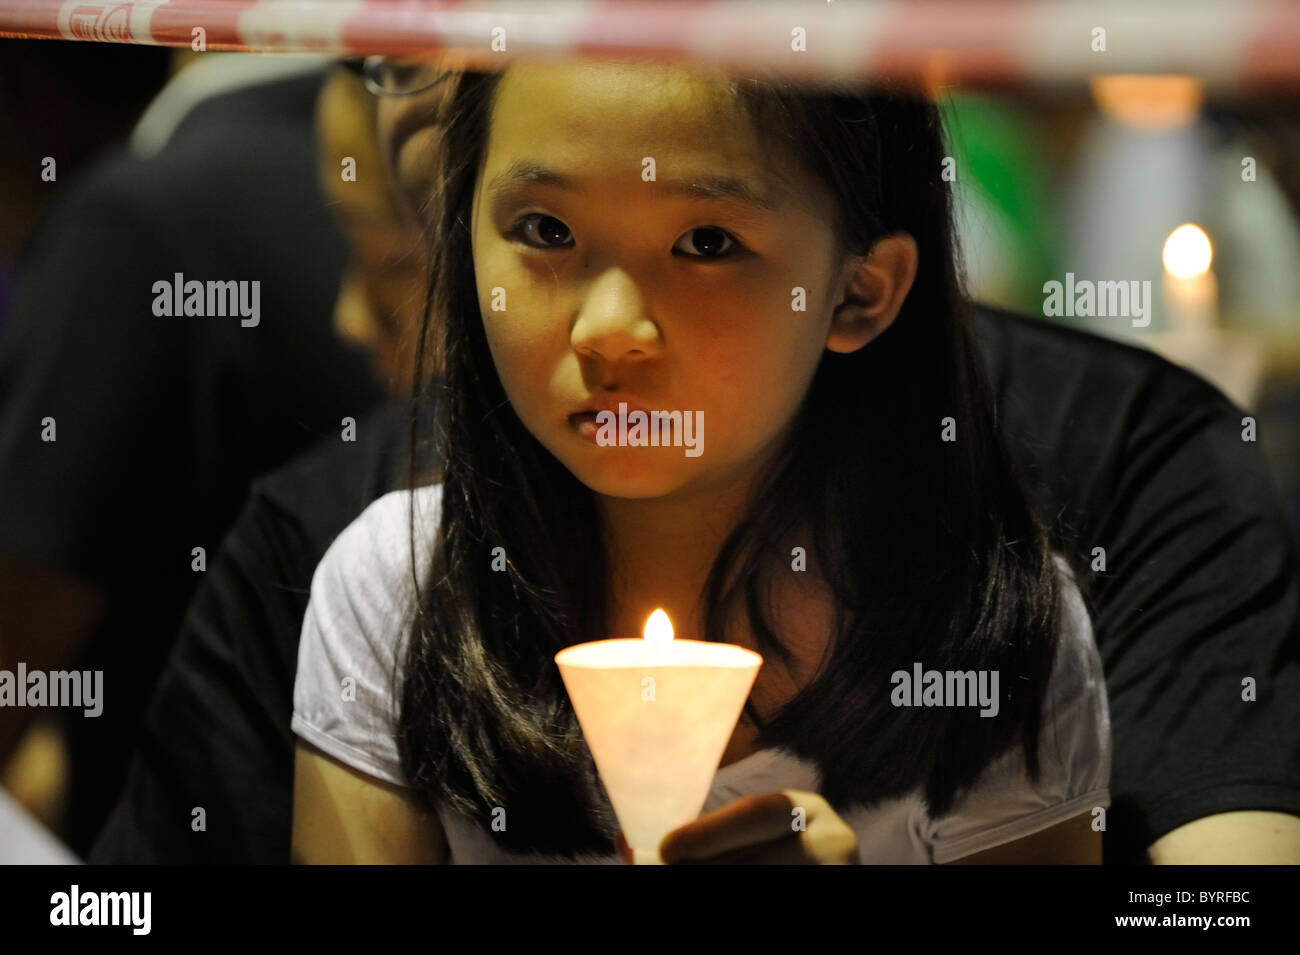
(707, 242)
(550, 230)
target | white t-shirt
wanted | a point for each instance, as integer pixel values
(356, 627)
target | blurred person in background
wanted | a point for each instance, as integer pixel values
(381, 296)
(161, 422)
(217, 730)
(56, 115)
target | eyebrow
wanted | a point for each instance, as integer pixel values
(718, 188)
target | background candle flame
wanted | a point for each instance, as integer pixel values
(1187, 252)
(658, 631)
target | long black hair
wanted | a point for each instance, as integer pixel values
(928, 544)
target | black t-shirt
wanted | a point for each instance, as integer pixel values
(1119, 449)
(1124, 451)
(162, 422)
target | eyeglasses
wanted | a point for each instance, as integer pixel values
(396, 76)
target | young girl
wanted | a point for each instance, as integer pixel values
(778, 263)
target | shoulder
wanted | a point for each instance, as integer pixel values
(328, 485)
(1026, 354)
(374, 560)
(373, 532)
(354, 631)
(1078, 661)
(1076, 712)
(1004, 804)
(101, 233)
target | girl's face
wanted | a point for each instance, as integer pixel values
(633, 240)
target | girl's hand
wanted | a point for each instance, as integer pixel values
(781, 828)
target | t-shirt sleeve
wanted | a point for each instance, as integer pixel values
(1003, 804)
(353, 640)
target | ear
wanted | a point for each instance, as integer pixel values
(873, 291)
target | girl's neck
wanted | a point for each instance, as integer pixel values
(661, 553)
(662, 549)
(659, 562)
(668, 570)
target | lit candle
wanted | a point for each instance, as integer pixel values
(1233, 361)
(1191, 291)
(657, 714)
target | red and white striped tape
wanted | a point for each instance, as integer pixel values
(1235, 42)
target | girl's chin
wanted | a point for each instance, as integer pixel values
(633, 479)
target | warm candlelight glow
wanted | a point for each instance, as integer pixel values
(658, 631)
(1187, 252)
(657, 714)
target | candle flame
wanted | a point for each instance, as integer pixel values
(658, 630)
(1187, 252)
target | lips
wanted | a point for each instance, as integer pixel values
(584, 422)
(605, 404)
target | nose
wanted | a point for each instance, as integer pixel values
(612, 323)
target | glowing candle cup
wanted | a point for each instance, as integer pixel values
(657, 714)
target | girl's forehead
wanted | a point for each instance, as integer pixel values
(588, 97)
(614, 76)
(600, 115)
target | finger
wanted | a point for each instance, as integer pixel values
(823, 843)
(819, 837)
(737, 825)
(790, 849)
